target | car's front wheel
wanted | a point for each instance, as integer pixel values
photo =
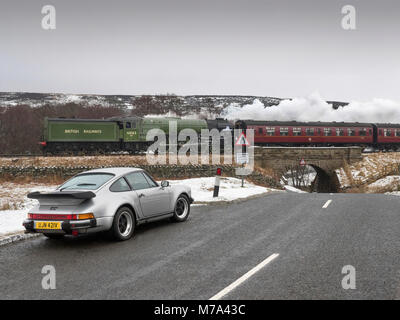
(123, 225)
(182, 209)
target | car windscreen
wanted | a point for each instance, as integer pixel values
(87, 181)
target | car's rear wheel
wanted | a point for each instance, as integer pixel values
(182, 209)
(53, 236)
(123, 224)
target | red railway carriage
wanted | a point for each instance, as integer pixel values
(388, 134)
(293, 133)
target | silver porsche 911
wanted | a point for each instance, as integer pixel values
(115, 200)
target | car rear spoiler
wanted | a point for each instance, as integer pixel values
(82, 195)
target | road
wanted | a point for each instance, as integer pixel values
(219, 246)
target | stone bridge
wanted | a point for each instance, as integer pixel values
(324, 161)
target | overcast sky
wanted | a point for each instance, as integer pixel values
(241, 47)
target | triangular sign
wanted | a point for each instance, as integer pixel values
(242, 140)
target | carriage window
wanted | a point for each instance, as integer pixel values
(127, 125)
(310, 131)
(397, 133)
(327, 131)
(270, 131)
(319, 131)
(387, 132)
(339, 132)
(351, 132)
(363, 132)
(284, 131)
(260, 130)
(297, 131)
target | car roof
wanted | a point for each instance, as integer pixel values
(115, 170)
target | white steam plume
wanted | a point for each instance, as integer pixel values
(314, 108)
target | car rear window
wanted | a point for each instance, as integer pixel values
(87, 181)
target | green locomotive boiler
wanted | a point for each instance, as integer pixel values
(117, 134)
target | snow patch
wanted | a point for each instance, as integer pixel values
(14, 195)
(293, 189)
(230, 189)
(386, 181)
(11, 221)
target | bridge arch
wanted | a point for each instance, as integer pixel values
(326, 181)
(323, 160)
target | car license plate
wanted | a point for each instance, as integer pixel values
(48, 225)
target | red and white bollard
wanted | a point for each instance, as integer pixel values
(216, 184)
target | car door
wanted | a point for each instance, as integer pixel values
(154, 200)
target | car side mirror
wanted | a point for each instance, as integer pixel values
(164, 184)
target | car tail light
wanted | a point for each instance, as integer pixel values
(37, 216)
(82, 216)
(43, 143)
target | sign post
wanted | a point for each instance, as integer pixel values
(243, 157)
(217, 182)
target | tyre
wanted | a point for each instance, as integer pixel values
(123, 225)
(182, 209)
(54, 236)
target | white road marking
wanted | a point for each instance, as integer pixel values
(244, 277)
(326, 204)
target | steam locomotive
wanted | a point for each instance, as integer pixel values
(128, 134)
(117, 134)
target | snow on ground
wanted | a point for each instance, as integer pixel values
(11, 221)
(293, 189)
(305, 179)
(394, 193)
(202, 191)
(230, 189)
(387, 184)
(13, 195)
(371, 168)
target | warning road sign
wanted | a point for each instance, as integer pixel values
(242, 140)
